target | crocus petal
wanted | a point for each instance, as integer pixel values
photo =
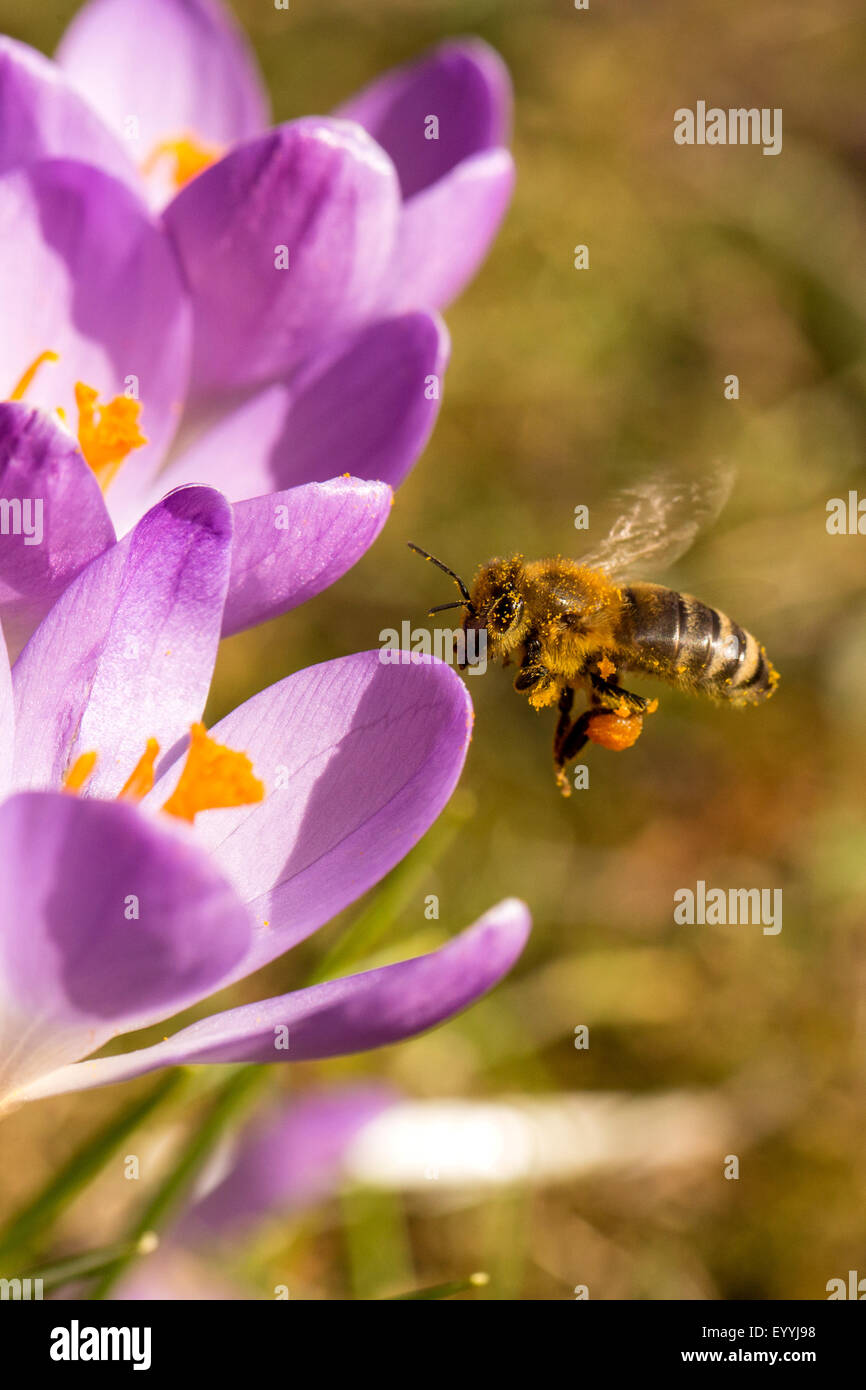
(353, 1014)
(128, 650)
(61, 523)
(284, 244)
(292, 545)
(107, 922)
(87, 273)
(463, 84)
(358, 758)
(369, 407)
(7, 718)
(42, 116)
(365, 406)
(446, 231)
(285, 1161)
(177, 66)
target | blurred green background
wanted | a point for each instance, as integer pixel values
(563, 386)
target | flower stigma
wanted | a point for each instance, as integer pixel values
(107, 434)
(213, 777)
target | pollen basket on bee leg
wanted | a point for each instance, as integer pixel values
(615, 731)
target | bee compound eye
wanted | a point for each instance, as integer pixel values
(506, 611)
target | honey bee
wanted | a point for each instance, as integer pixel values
(578, 624)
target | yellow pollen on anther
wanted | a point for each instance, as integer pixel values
(26, 381)
(189, 155)
(213, 777)
(79, 773)
(107, 433)
(140, 780)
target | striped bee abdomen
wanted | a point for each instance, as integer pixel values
(683, 641)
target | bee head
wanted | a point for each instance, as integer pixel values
(497, 600)
(495, 605)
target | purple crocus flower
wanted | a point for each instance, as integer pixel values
(389, 205)
(173, 871)
(300, 339)
(288, 1158)
(177, 83)
(86, 274)
(386, 207)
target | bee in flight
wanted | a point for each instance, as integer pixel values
(578, 624)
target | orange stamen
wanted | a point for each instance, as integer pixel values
(26, 381)
(213, 777)
(79, 773)
(140, 780)
(190, 156)
(106, 433)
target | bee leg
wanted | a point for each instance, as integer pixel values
(533, 678)
(611, 696)
(566, 701)
(569, 740)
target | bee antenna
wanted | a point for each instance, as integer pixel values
(467, 598)
(443, 607)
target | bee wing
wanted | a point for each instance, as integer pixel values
(658, 520)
